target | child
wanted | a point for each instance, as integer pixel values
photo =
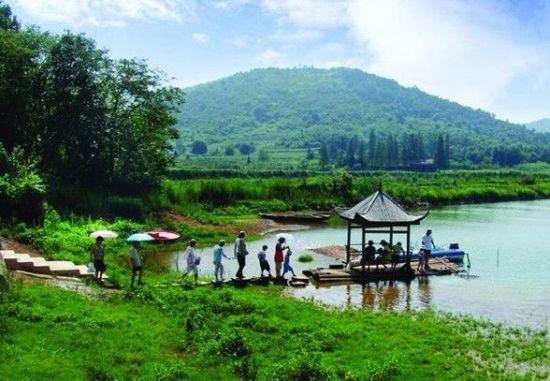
(264, 264)
(287, 266)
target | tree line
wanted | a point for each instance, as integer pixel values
(77, 116)
(382, 151)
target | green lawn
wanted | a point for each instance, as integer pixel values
(252, 334)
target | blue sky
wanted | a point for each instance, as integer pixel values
(487, 54)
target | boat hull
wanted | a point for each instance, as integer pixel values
(451, 255)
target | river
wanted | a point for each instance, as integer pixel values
(510, 265)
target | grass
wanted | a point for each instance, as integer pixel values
(304, 258)
(252, 334)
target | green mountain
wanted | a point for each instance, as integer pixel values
(542, 125)
(304, 107)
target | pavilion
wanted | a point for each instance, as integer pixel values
(379, 214)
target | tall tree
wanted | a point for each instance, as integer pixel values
(74, 133)
(372, 147)
(362, 155)
(323, 156)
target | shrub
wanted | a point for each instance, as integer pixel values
(304, 258)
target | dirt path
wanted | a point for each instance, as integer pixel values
(260, 226)
(10, 244)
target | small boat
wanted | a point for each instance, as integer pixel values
(453, 253)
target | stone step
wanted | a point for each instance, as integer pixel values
(63, 268)
(11, 260)
(3, 252)
(27, 264)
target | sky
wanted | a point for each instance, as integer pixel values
(488, 54)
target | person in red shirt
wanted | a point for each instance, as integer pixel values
(279, 256)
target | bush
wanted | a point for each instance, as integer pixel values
(304, 258)
(199, 147)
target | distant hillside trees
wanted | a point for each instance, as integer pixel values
(229, 151)
(246, 149)
(199, 147)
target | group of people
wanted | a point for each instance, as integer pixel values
(97, 257)
(240, 252)
(391, 254)
(387, 254)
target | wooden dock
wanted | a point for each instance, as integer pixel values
(355, 274)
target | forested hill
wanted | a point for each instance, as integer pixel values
(542, 125)
(302, 107)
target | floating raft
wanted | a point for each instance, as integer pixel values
(335, 275)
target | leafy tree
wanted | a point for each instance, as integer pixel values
(199, 147)
(229, 151)
(7, 20)
(73, 138)
(246, 149)
(310, 155)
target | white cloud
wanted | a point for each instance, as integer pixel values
(269, 57)
(309, 13)
(200, 38)
(464, 50)
(229, 4)
(446, 48)
(108, 12)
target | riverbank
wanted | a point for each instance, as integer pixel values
(251, 334)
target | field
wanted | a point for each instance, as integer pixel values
(253, 334)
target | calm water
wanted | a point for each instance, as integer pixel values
(507, 243)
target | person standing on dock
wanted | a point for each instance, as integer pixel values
(218, 266)
(427, 247)
(279, 256)
(240, 253)
(264, 264)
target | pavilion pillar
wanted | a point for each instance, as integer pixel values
(348, 246)
(408, 246)
(363, 248)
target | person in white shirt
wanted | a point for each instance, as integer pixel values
(135, 260)
(193, 261)
(218, 255)
(427, 247)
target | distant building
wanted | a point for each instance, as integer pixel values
(423, 166)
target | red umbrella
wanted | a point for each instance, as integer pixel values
(163, 236)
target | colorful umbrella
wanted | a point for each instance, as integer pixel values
(104, 234)
(139, 237)
(163, 236)
(289, 238)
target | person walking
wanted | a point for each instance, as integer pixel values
(135, 261)
(279, 256)
(427, 247)
(97, 256)
(264, 264)
(287, 266)
(240, 252)
(218, 266)
(193, 260)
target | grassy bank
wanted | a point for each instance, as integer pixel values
(252, 334)
(220, 200)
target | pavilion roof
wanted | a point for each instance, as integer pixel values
(379, 209)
